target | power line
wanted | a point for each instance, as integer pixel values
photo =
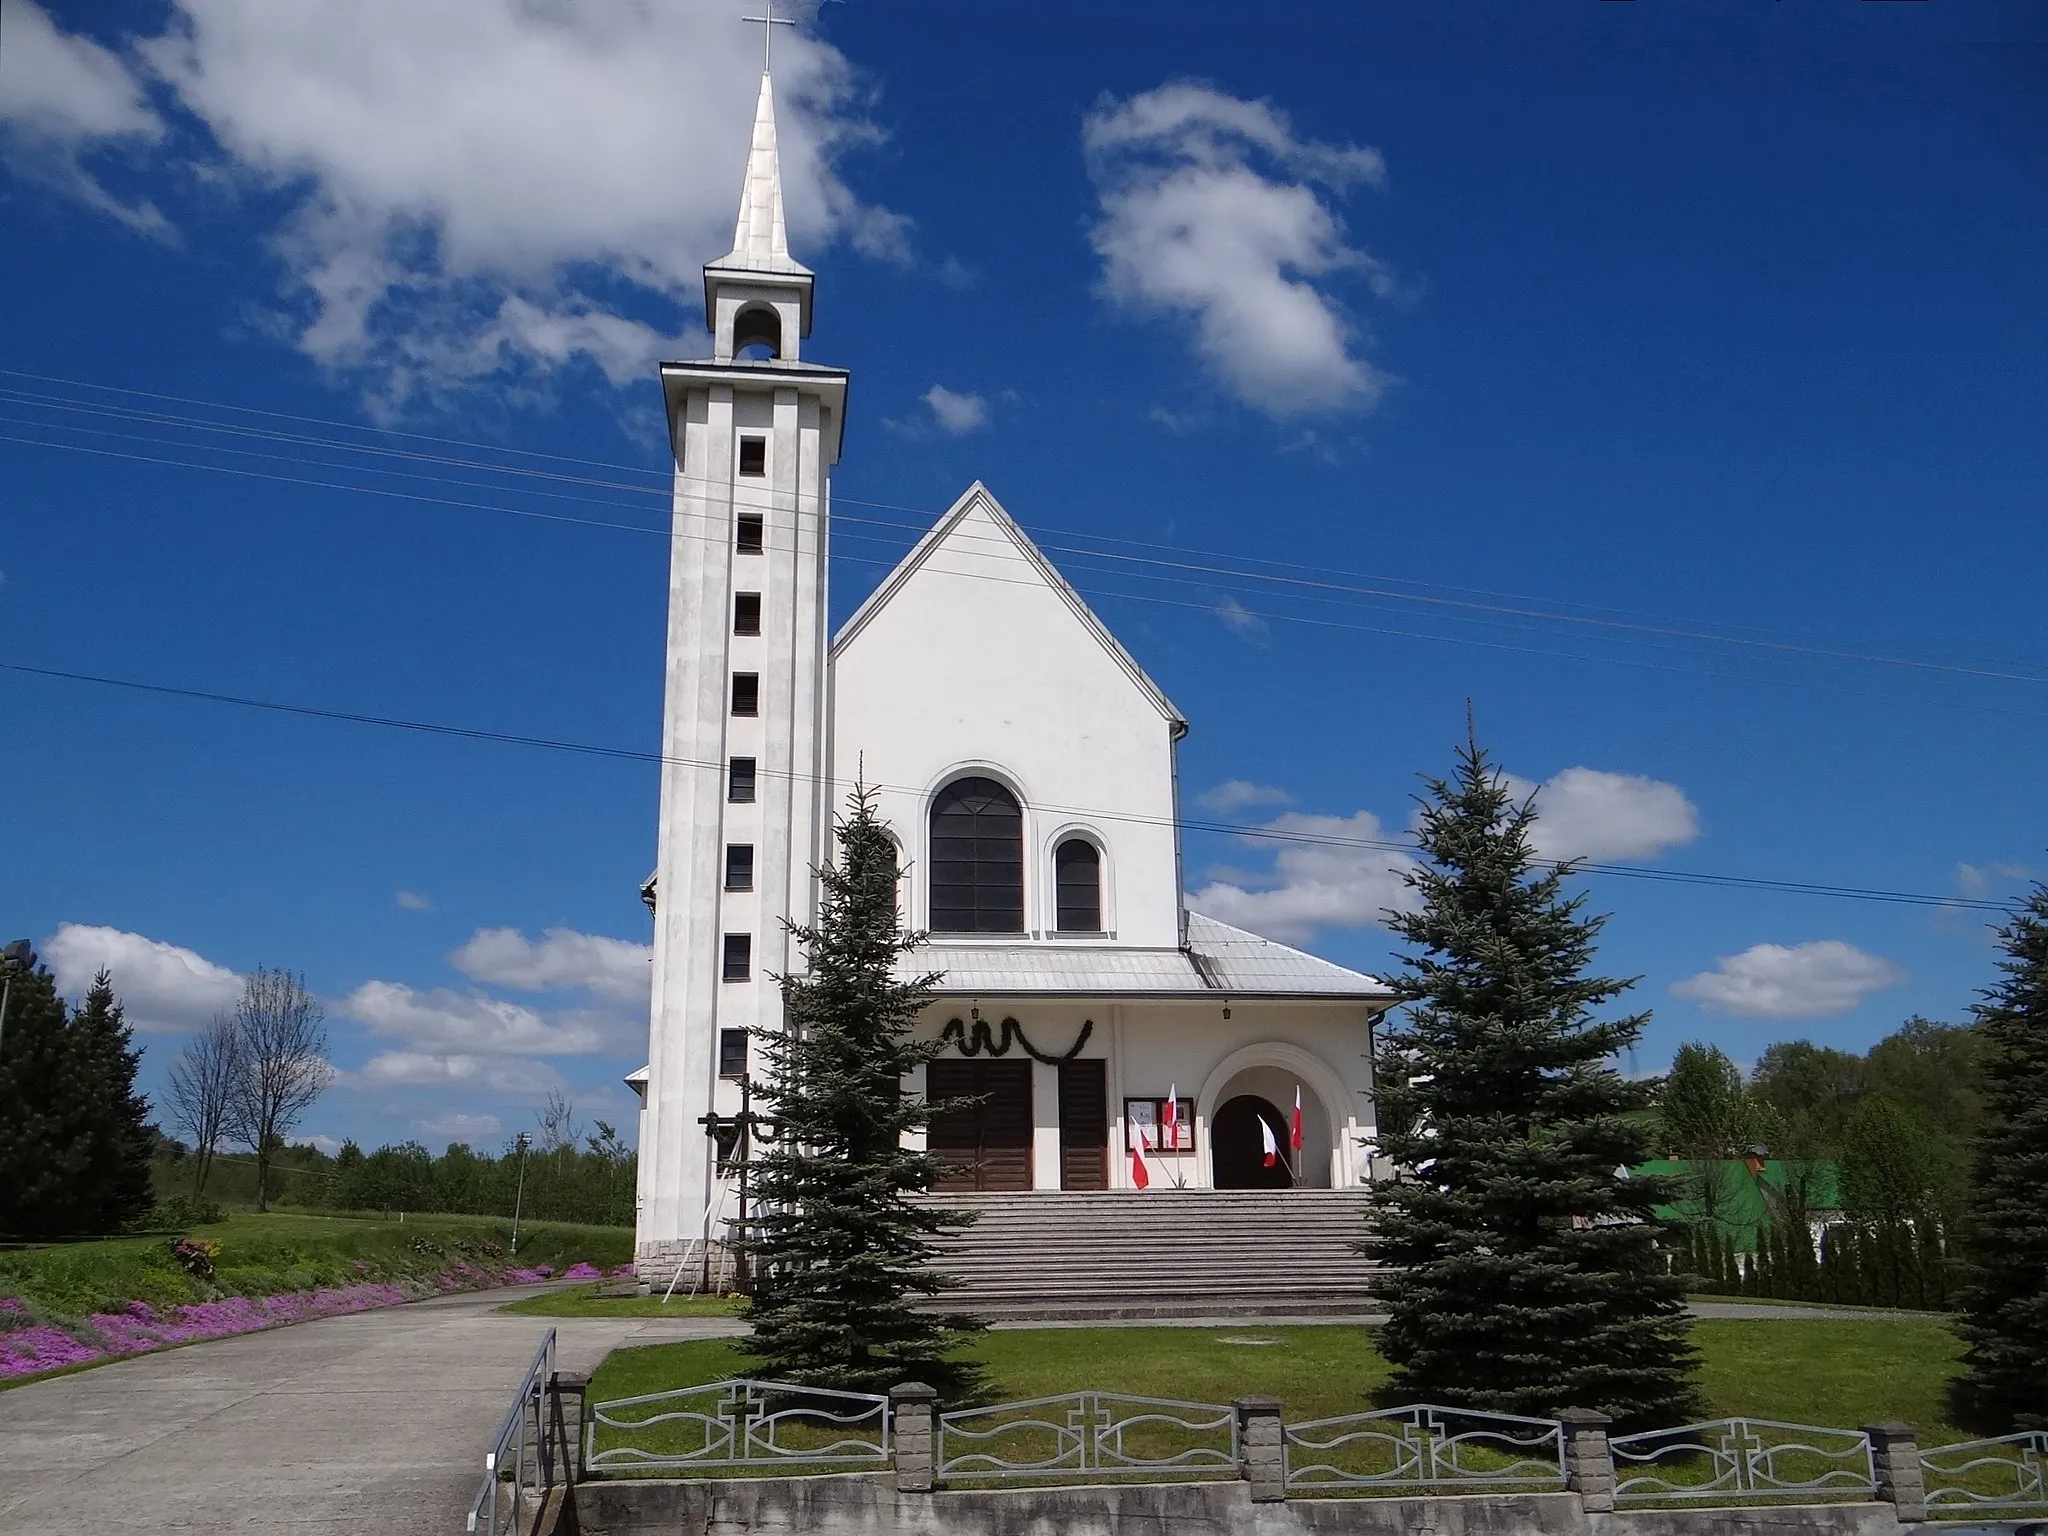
(1352, 585)
(1005, 551)
(1274, 834)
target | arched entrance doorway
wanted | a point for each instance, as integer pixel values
(1238, 1151)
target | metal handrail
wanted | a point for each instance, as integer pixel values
(509, 1449)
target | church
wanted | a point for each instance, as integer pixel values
(1108, 1037)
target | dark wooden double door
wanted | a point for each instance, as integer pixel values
(982, 1124)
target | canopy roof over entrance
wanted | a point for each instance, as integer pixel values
(1217, 959)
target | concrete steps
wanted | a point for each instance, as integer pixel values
(1073, 1256)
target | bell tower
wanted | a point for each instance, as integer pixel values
(744, 816)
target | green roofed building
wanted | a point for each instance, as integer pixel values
(1739, 1202)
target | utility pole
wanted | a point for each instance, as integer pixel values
(19, 958)
(519, 1196)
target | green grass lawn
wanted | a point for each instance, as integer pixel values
(1829, 1373)
(583, 1301)
(277, 1252)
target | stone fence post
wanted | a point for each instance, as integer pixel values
(1261, 1448)
(1895, 1458)
(913, 1433)
(1588, 1459)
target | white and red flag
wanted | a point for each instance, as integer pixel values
(1171, 1139)
(1294, 1126)
(1272, 1146)
(1140, 1179)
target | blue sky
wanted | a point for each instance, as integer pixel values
(1671, 387)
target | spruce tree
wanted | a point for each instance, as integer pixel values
(114, 1120)
(39, 1163)
(1524, 1272)
(2003, 1304)
(841, 1249)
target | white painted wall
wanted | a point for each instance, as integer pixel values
(976, 662)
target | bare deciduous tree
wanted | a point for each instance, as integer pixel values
(558, 1128)
(281, 1047)
(201, 1085)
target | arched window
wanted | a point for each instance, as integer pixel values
(977, 859)
(1077, 886)
(757, 326)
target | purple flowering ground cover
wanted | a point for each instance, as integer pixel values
(89, 1303)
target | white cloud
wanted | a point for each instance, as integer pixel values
(1588, 813)
(475, 187)
(1242, 622)
(463, 1128)
(1795, 981)
(521, 1077)
(561, 959)
(442, 1020)
(325, 1144)
(1211, 208)
(956, 414)
(1316, 885)
(1238, 794)
(413, 901)
(61, 97)
(163, 988)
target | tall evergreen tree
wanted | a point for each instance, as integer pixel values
(74, 1136)
(38, 1171)
(2004, 1303)
(1524, 1270)
(115, 1118)
(842, 1253)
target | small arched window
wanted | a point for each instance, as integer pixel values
(757, 327)
(1077, 886)
(977, 859)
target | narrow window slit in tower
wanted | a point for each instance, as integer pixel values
(739, 784)
(753, 455)
(739, 956)
(739, 866)
(746, 613)
(746, 693)
(751, 526)
(732, 1054)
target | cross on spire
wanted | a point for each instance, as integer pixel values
(768, 25)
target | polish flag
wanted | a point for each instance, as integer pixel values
(1272, 1146)
(1171, 1140)
(1294, 1127)
(1140, 1179)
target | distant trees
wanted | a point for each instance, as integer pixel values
(2004, 1306)
(198, 1090)
(594, 1183)
(1524, 1272)
(279, 1066)
(74, 1138)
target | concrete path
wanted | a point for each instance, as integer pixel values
(373, 1424)
(368, 1425)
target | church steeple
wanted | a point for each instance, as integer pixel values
(757, 293)
(760, 240)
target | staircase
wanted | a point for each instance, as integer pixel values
(1072, 1256)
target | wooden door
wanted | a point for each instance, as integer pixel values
(1084, 1124)
(986, 1133)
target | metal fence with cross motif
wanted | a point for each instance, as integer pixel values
(737, 1423)
(1425, 1447)
(2009, 1472)
(1741, 1458)
(1098, 1433)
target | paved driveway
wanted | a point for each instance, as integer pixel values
(371, 1423)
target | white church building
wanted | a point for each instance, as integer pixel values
(1027, 767)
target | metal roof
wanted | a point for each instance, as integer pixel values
(1218, 959)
